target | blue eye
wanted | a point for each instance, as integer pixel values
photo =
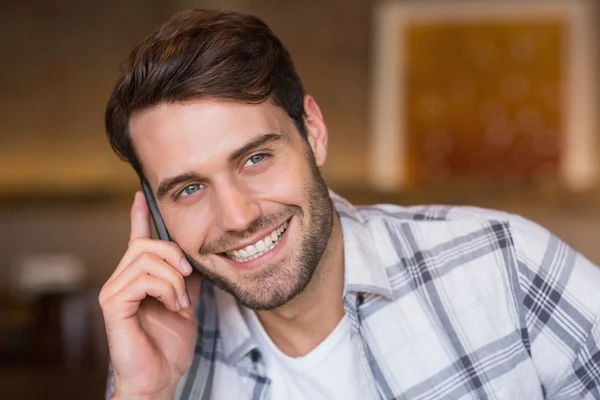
(191, 189)
(255, 159)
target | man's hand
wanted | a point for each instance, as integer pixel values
(151, 342)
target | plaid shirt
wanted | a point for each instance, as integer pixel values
(445, 303)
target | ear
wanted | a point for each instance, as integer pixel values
(316, 130)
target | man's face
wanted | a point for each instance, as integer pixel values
(240, 192)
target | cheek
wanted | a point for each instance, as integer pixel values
(282, 182)
(188, 228)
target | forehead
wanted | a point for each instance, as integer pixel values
(176, 136)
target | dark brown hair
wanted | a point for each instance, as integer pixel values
(203, 54)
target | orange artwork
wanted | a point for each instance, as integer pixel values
(477, 92)
(483, 101)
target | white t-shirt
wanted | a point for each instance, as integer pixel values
(329, 372)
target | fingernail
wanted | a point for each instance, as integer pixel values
(185, 301)
(177, 305)
(185, 265)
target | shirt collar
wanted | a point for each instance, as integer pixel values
(364, 262)
(234, 331)
(364, 272)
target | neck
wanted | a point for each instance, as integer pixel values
(301, 324)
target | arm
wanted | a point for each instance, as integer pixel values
(560, 303)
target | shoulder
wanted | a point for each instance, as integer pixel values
(438, 233)
(441, 217)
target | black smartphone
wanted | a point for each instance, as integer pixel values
(161, 228)
(159, 224)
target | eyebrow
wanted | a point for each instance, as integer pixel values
(253, 144)
(166, 185)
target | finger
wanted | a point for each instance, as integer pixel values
(140, 218)
(150, 264)
(125, 303)
(168, 251)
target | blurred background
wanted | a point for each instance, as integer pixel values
(426, 102)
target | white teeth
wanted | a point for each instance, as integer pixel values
(251, 250)
(259, 248)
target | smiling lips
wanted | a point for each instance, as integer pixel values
(259, 248)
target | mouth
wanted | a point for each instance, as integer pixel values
(260, 248)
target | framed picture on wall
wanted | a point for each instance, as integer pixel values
(475, 92)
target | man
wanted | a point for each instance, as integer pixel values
(302, 295)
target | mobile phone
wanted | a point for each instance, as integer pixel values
(159, 224)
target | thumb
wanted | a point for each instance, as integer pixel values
(140, 218)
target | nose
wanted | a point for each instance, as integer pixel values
(237, 209)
